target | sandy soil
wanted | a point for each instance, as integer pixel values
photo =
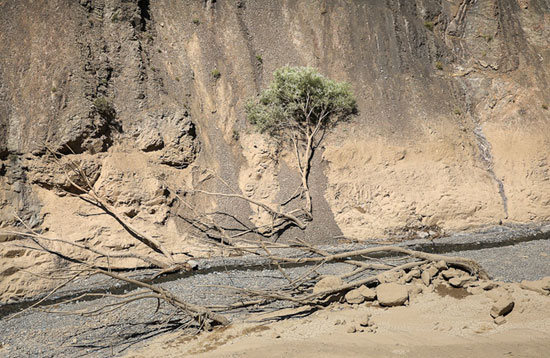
(434, 324)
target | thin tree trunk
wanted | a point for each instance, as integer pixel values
(305, 174)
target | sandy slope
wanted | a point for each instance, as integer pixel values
(433, 325)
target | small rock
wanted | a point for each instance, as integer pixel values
(474, 290)
(354, 297)
(352, 329)
(536, 286)
(450, 273)
(414, 290)
(426, 278)
(459, 281)
(150, 141)
(500, 320)
(432, 270)
(194, 265)
(392, 294)
(337, 322)
(365, 322)
(502, 307)
(415, 273)
(488, 285)
(391, 276)
(327, 283)
(441, 265)
(368, 293)
(423, 235)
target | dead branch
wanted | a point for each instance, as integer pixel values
(464, 263)
(264, 206)
(88, 194)
(151, 261)
(199, 313)
(54, 290)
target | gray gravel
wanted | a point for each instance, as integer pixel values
(38, 334)
(523, 261)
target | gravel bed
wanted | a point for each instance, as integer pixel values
(523, 261)
(39, 334)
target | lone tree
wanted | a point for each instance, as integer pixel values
(297, 108)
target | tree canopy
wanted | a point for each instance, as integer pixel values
(300, 101)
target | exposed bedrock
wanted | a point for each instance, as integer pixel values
(453, 130)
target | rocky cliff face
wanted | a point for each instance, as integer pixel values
(452, 132)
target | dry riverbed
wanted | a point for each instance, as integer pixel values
(433, 324)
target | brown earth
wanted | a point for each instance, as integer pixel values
(434, 324)
(452, 132)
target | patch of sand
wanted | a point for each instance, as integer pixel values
(430, 326)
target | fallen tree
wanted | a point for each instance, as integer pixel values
(365, 269)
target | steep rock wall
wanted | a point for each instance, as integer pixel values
(452, 131)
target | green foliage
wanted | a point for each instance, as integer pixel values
(429, 25)
(54, 89)
(259, 59)
(216, 74)
(487, 38)
(235, 135)
(298, 100)
(439, 65)
(457, 111)
(196, 21)
(104, 107)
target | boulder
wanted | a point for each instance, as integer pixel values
(392, 294)
(327, 283)
(502, 307)
(354, 297)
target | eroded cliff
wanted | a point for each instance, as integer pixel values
(452, 132)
